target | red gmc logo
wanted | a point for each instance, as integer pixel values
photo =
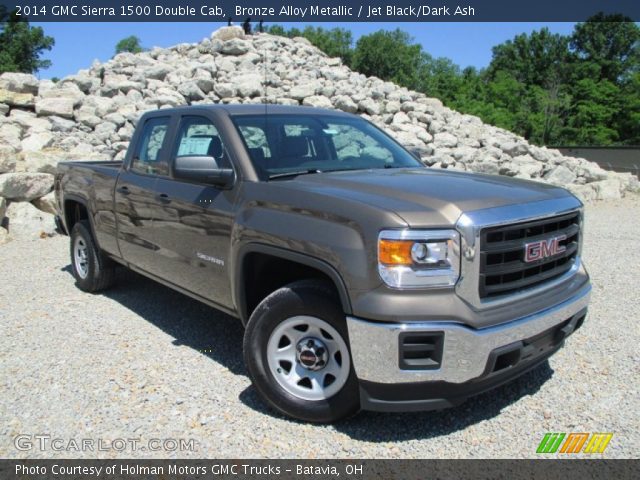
(543, 248)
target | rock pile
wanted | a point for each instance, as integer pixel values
(92, 115)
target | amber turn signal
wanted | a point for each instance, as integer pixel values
(395, 252)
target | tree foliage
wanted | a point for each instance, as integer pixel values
(131, 44)
(21, 45)
(390, 56)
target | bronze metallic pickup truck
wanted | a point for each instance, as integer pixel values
(364, 279)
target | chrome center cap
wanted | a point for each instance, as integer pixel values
(311, 353)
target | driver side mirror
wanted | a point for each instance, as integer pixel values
(203, 169)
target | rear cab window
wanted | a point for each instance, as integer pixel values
(148, 158)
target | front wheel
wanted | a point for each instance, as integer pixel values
(296, 351)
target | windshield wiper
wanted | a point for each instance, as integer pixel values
(294, 174)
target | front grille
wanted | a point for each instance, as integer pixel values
(503, 269)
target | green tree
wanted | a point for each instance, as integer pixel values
(628, 117)
(441, 78)
(389, 56)
(21, 45)
(336, 42)
(608, 45)
(540, 58)
(594, 106)
(129, 44)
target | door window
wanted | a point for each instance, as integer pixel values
(198, 137)
(148, 158)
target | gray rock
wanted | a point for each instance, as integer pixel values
(303, 90)
(250, 86)
(369, 106)
(4, 109)
(159, 71)
(19, 82)
(224, 90)
(227, 33)
(490, 168)
(609, 189)
(46, 204)
(586, 193)
(37, 141)
(15, 99)
(514, 148)
(61, 107)
(24, 187)
(235, 46)
(4, 236)
(44, 161)
(68, 91)
(560, 175)
(444, 139)
(591, 172)
(8, 158)
(59, 124)
(191, 91)
(344, 103)
(3, 208)
(317, 101)
(10, 135)
(26, 222)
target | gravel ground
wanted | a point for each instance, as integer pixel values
(144, 362)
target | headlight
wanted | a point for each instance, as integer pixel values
(419, 258)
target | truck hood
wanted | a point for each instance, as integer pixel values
(427, 197)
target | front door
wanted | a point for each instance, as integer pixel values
(193, 226)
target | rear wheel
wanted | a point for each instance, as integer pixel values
(92, 270)
(296, 351)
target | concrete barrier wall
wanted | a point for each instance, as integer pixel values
(618, 159)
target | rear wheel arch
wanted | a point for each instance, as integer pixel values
(75, 209)
(262, 269)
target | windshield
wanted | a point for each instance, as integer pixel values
(281, 144)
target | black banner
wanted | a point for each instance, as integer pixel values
(318, 10)
(319, 469)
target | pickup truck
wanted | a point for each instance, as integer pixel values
(364, 279)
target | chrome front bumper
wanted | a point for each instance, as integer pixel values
(375, 345)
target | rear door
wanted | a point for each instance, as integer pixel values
(135, 197)
(193, 227)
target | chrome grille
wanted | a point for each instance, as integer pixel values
(503, 269)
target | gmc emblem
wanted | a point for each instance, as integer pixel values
(543, 248)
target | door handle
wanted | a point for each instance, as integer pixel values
(123, 190)
(164, 198)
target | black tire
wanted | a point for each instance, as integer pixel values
(99, 271)
(303, 298)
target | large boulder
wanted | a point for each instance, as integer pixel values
(24, 187)
(16, 99)
(4, 236)
(227, 33)
(8, 157)
(19, 82)
(61, 107)
(560, 176)
(47, 203)
(26, 222)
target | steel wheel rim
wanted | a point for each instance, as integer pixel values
(298, 380)
(81, 257)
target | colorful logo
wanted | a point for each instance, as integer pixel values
(574, 443)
